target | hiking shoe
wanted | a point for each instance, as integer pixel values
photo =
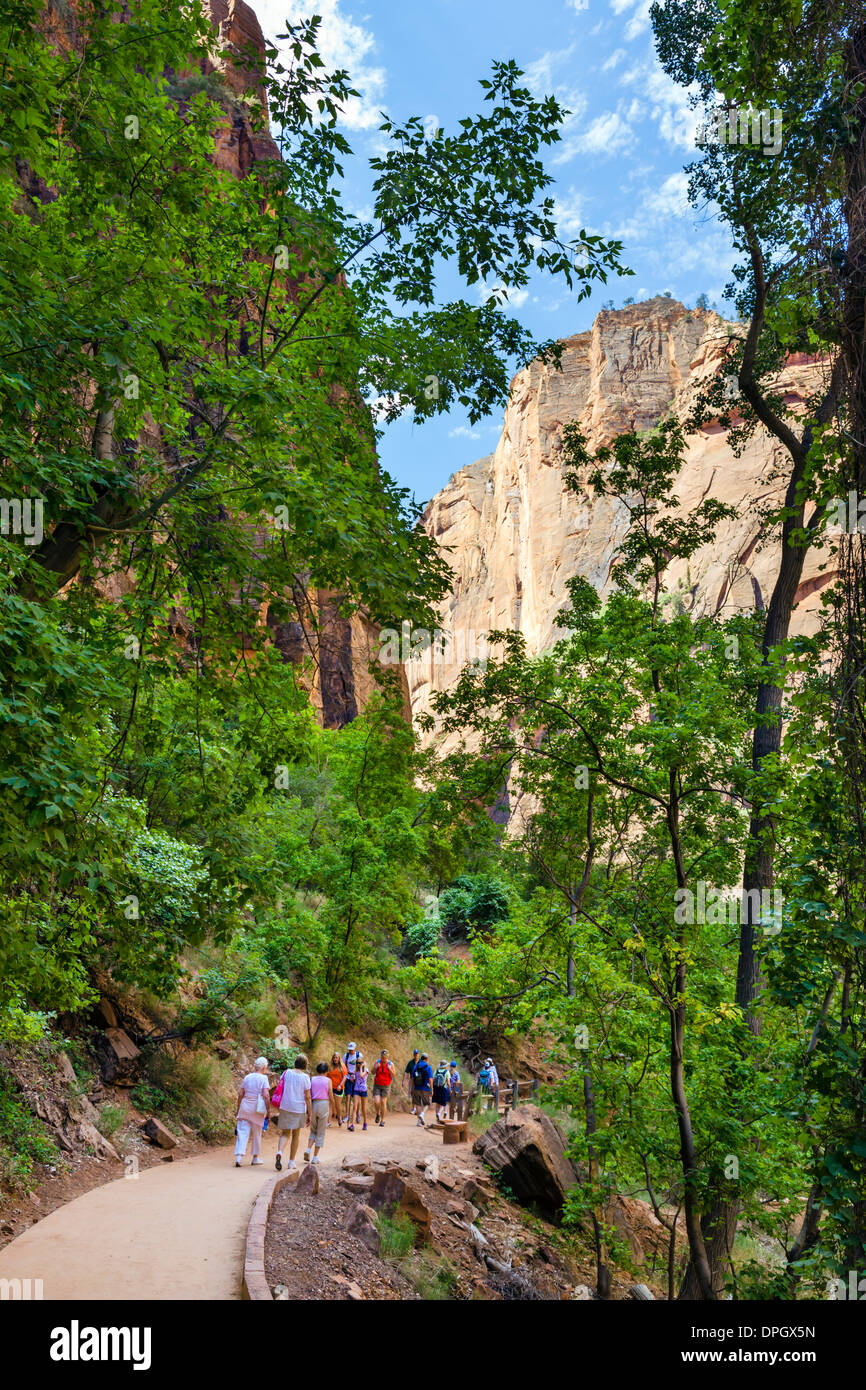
(365, 1124)
(352, 1128)
(237, 1163)
(315, 1158)
(278, 1163)
(291, 1166)
(421, 1123)
(306, 1155)
(256, 1163)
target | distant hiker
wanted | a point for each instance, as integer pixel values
(336, 1076)
(422, 1078)
(321, 1092)
(441, 1090)
(408, 1073)
(350, 1062)
(253, 1095)
(456, 1090)
(382, 1078)
(361, 1075)
(293, 1098)
(488, 1082)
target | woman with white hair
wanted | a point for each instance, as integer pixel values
(253, 1094)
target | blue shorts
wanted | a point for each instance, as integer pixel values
(349, 1086)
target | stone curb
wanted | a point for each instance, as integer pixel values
(255, 1285)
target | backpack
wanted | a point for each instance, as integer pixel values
(441, 1077)
(484, 1076)
(383, 1074)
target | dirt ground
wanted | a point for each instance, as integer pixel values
(309, 1254)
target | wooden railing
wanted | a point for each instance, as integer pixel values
(504, 1097)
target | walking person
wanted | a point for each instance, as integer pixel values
(422, 1079)
(455, 1090)
(293, 1098)
(336, 1076)
(350, 1062)
(253, 1095)
(441, 1090)
(321, 1093)
(382, 1078)
(408, 1072)
(361, 1075)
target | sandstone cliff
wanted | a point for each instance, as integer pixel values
(514, 535)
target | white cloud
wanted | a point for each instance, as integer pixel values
(615, 58)
(608, 134)
(640, 18)
(513, 297)
(463, 432)
(671, 200)
(657, 98)
(541, 76)
(343, 44)
(568, 214)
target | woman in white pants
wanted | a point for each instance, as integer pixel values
(253, 1094)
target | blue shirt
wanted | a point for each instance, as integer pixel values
(422, 1076)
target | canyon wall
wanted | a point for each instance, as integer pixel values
(513, 535)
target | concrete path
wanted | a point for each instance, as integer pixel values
(177, 1230)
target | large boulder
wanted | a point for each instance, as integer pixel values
(117, 1055)
(393, 1193)
(158, 1134)
(528, 1151)
(362, 1223)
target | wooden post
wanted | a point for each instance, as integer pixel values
(515, 1094)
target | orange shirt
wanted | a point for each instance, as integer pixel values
(337, 1075)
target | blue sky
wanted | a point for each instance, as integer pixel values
(617, 171)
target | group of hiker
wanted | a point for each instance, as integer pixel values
(338, 1091)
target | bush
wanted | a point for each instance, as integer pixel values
(196, 1089)
(111, 1117)
(397, 1234)
(23, 1141)
(145, 1096)
(474, 902)
(432, 1276)
(420, 938)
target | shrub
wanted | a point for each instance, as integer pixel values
(145, 1096)
(23, 1140)
(420, 938)
(397, 1235)
(431, 1275)
(474, 902)
(111, 1117)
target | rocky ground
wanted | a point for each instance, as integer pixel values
(326, 1240)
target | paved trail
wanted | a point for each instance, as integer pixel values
(177, 1230)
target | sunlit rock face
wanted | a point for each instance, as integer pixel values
(514, 536)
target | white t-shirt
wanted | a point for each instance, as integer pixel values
(295, 1083)
(351, 1060)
